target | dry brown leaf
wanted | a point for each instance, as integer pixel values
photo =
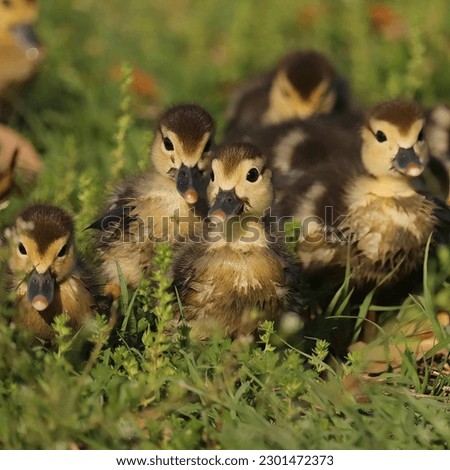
(386, 20)
(143, 84)
(29, 162)
(417, 337)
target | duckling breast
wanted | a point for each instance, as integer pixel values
(230, 286)
(387, 234)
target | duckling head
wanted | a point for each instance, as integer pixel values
(240, 183)
(41, 251)
(17, 18)
(302, 87)
(181, 149)
(393, 140)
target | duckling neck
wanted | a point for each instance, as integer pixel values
(369, 187)
(239, 233)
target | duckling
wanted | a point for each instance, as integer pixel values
(237, 269)
(20, 49)
(164, 204)
(44, 273)
(303, 84)
(437, 132)
(368, 209)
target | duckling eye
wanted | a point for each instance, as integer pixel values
(420, 136)
(212, 175)
(62, 251)
(207, 147)
(252, 175)
(22, 249)
(168, 144)
(381, 136)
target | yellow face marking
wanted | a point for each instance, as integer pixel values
(286, 103)
(378, 156)
(165, 160)
(26, 256)
(257, 195)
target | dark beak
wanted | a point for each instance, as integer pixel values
(407, 162)
(189, 183)
(40, 289)
(26, 36)
(226, 205)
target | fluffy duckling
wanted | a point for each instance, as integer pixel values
(20, 50)
(237, 273)
(44, 273)
(369, 210)
(303, 84)
(164, 204)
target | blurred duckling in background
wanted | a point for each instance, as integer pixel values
(20, 49)
(303, 84)
(235, 275)
(163, 204)
(370, 210)
(44, 273)
(437, 133)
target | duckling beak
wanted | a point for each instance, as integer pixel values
(226, 205)
(27, 38)
(407, 162)
(40, 289)
(188, 181)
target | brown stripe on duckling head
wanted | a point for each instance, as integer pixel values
(402, 113)
(47, 224)
(232, 155)
(190, 122)
(306, 69)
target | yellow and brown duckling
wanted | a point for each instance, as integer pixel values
(44, 273)
(20, 49)
(163, 204)
(238, 273)
(303, 84)
(370, 210)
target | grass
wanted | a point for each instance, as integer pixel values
(130, 385)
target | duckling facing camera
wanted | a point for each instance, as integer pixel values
(164, 204)
(238, 273)
(44, 273)
(368, 209)
(303, 84)
(20, 49)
